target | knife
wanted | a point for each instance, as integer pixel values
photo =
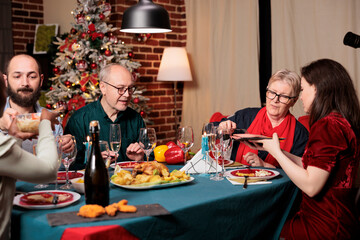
(245, 182)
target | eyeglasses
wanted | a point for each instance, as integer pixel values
(122, 90)
(282, 98)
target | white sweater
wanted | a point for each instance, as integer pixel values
(16, 163)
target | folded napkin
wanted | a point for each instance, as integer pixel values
(64, 218)
(240, 181)
(198, 164)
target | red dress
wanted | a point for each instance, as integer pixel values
(331, 214)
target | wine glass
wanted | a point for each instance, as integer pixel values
(40, 185)
(185, 139)
(217, 149)
(105, 152)
(115, 139)
(67, 157)
(147, 140)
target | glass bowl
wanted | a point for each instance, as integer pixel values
(28, 122)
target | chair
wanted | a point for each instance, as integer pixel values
(304, 120)
(216, 117)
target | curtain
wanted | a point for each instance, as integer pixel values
(222, 43)
(307, 30)
(6, 46)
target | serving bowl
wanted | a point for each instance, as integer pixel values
(28, 122)
(78, 184)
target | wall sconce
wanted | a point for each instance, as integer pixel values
(145, 17)
(174, 67)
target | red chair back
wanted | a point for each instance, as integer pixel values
(216, 117)
(304, 120)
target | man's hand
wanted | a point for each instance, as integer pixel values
(135, 152)
(67, 144)
(7, 118)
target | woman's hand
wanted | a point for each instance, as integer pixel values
(230, 125)
(14, 131)
(67, 143)
(51, 116)
(135, 152)
(253, 159)
(272, 146)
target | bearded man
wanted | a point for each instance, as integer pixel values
(23, 80)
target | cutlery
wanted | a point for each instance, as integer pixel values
(245, 182)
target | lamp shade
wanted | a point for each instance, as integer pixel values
(174, 65)
(145, 17)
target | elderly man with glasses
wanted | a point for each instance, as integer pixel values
(282, 93)
(117, 86)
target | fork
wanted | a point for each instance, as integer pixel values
(245, 182)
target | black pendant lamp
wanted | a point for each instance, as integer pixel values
(145, 17)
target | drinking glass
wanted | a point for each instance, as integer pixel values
(185, 139)
(147, 140)
(40, 185)
(226, 146)
(217, 149)
(115, 139)
(68, 157)
(105, 152)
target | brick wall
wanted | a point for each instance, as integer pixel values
(27, 13)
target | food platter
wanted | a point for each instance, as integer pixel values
(255, 173)
(129, 166)
(61, 176)
(146, 186)
(65, 198)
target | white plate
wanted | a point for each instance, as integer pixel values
(232, 173)
(227, 162)
(63, 176)
(75, 198)
(135, 187)
(129, 166)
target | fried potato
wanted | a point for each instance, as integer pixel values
(91, 211)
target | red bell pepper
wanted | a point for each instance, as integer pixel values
(174, 155)
(171, 144)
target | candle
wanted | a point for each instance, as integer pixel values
(87, 145)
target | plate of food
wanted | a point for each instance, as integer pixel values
(154, 185)
(253, 173)
(46, 199)
(28, 122)
(149, 175)
(125, 165)
(227, 162)
(61, 176)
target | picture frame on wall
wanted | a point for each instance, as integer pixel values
(43, 35)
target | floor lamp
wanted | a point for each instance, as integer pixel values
(174, 67)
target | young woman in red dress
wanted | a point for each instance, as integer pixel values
(327, 171)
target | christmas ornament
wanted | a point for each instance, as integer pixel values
(101, 16)
(106, 9)
(67, 84)
(107, 53)
(60, 104)
(81, 65)
(56, 70)
(73, 31)
(80, 19)
(136, 100)
(93, 65)
(88, 32)
(101, 35)
(83, 88)
(91, 27)
(85, 78)
(130, 54)
(76, 103)
(48, 106)
(142, 113)
(83, 35)
(113, 39)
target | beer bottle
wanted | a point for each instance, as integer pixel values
(96, 174)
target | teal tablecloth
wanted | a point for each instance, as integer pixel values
(202, 209)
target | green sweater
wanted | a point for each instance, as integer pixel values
(78, 126)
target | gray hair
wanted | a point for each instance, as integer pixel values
(105, 71)
(290, 77)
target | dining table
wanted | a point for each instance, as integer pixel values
(200, 209)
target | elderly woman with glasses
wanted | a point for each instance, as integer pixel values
(116, 86)
(282, 93)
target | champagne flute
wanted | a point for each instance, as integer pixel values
(217, 147)
(67, 157)
(147, 140)
(105, 152)
(115, 139)
(226, 146)
(185, 139)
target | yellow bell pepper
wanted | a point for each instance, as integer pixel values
(159, 152)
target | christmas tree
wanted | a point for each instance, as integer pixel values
(90, 45)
